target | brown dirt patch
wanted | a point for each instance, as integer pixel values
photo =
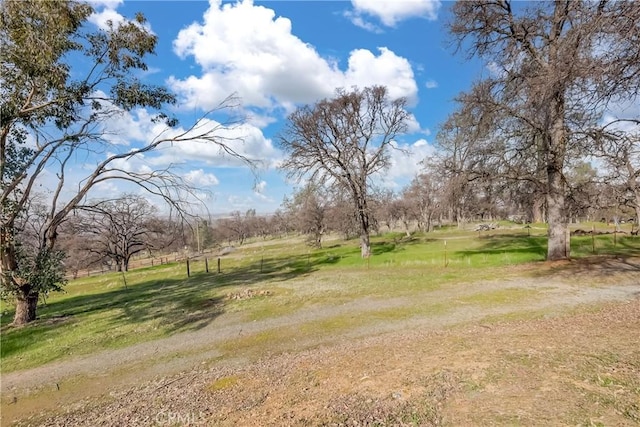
(577, 369)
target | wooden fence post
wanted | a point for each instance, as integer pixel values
(446, 262)
(218, 265)
(188, 270)
(206, 264)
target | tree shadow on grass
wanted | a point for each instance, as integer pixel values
(596, 266)
(529, 247)
(171, 304)
(180, 303)
(398, 243)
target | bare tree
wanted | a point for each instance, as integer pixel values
(308, 209)
(384, 208)
(424, 195)
(556, 66)
(122, 228)
(344, 141)
(341, 217)
(617, 143)
(236, 227)
(75, 242)
(53, 113)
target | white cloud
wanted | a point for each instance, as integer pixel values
(392, 12)
(405, 162)
(431, 84)
(126, 131)
(101, 19)
(413, 126)
(260, 187)
(111, 4)
(108, 14)
(246, 49)
(623, 110)
(357, 20)
(245, 140)
(366, 69)
(199, 177)
(495, 69)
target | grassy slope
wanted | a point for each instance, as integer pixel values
(97, 313)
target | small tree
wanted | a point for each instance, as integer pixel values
(344, 141)
(424, 196)
(308, 209)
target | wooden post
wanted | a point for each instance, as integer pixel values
(446, 262)
(206, 264)
(593, 239)
(218, 265)
(188, 270)
(615, 237)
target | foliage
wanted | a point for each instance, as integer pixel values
(43, 268)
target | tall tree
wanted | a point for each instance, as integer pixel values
(344, 141)
(54, 112)
(556, 66)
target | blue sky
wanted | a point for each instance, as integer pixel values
(276, 55)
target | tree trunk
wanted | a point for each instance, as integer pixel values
(26, 306)
(635, 188)
(537, 214)
(365, 245)
(26, 298)
(558, 244)
(555, 147)
(363, 217)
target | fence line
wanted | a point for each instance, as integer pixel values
(446, 254)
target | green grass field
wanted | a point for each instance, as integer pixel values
(116, 310)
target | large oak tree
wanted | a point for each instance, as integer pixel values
(343, 141)
(556, 66)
